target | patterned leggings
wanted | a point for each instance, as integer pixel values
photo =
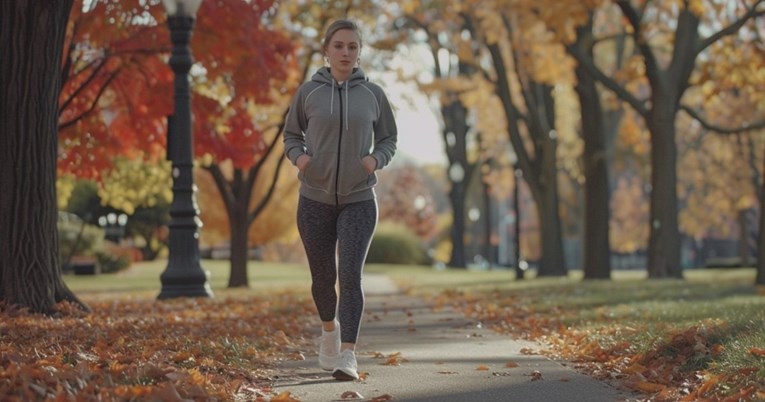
(336, 240)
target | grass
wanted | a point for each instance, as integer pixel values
(144, 278)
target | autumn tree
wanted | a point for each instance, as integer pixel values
(113, 70)
(442, 27)
(116, 68)
(258, 118)
(524, 81)
(31, 37)
(654, 28)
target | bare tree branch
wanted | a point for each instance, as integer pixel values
(733, 27)
(722, 130)
(608, 82)
(93, 104)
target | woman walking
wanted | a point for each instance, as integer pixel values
(340, 129)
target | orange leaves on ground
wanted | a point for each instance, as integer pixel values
(393, 359)
(285, 396)
(759, 352)
(175, 350)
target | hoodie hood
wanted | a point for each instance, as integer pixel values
(324, 76)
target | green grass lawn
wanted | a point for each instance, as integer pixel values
(143, 278)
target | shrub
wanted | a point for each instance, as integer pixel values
(396, 244)
(111, 263)
(77, 238)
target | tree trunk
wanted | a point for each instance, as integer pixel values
(540, 172)
(743, 237)
(664, 236)
(239, 229)
(760, 279)
(460, 173)
(596, 261)
(552, 261)
(31, 40)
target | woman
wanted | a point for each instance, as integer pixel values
(340, 129)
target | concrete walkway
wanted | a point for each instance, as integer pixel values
(412, 352)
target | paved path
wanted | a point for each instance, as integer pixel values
(441, 356)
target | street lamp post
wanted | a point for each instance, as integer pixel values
(184, 276)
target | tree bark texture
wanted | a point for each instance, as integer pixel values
(31, 40)
(597, 252)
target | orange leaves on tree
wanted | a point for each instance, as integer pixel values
(118, 88)
(112, 73)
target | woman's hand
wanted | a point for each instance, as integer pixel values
(302, 161)
(369, 163)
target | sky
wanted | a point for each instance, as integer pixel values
(419, 131)
(417, 116)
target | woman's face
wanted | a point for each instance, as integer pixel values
(342, 52)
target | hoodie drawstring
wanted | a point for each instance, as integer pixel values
(347, 103)
(332, 101)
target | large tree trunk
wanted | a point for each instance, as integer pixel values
(664, 236)
(31, 40)
(596, 261)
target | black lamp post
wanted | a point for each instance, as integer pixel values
(184, 276)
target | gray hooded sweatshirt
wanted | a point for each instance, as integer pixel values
(337, 125)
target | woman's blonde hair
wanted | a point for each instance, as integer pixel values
(338, 25)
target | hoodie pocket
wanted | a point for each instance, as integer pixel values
(319, 173)
(355, 178)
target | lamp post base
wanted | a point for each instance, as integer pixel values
(183, 285)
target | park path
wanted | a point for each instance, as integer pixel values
(441, 356)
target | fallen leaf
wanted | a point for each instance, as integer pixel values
(759, 352)
(394, 359)
(350, 395)
(381, 398)
(447, 372)
(285, 396)
(527, 351)
(536, 375)
(511, 364)
(646, 386)
(482, 367)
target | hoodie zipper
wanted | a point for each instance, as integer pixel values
(339, 141)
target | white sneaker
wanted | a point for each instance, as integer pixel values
(346, 367)
(329, 347)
